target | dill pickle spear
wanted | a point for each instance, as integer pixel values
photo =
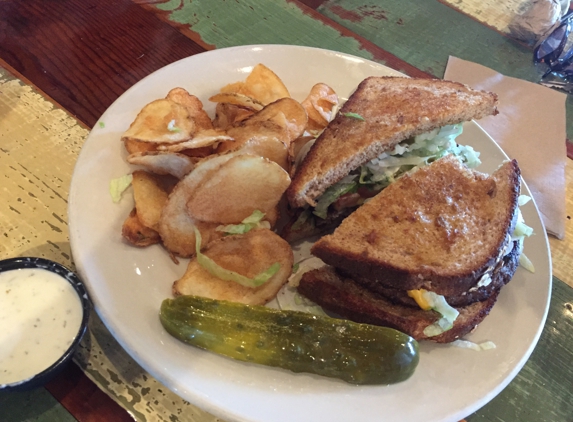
(297, 341)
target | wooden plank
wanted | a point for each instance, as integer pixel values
(224, 24)
(34, 405)
(426, 35)
(83, 399)
(85, 53)
(541, 392)
(33, 204)
(33, 219)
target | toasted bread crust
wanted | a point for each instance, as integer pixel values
(393, 109)
(500, 276)
(439, 229)
(350, 300)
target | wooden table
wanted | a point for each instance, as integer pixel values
(62, 63)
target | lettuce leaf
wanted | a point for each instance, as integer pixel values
(407, 156)
(253, 221)
(216, 270)
(346, 185)
(118, 186)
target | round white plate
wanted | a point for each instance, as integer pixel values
(128, 284)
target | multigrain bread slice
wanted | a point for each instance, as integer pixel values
(496, 279)
(440, 229)
(350, 300)
(392, 109)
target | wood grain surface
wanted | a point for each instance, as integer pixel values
(83, 54)
(86, 53)
(83, 399)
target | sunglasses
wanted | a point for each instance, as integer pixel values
(551, 50)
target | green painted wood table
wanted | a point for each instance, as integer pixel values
(62, 63)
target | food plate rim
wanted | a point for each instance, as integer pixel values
(211, 404)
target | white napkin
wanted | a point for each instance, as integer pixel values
(530, 127)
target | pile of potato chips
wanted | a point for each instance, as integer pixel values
(197, 173)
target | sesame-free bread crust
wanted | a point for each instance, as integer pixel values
(500, 276)
(440, 229)
(335, 293)
(393, 109)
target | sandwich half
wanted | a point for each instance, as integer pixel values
(428, 255)
(388, 126)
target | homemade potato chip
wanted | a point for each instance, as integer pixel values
(132, 146)
(264, 139)
(238, 100)
(264, 85)
(234, 87)
(176, 226)
(150, 193)
(287, 113)
(258, 132)
(161, 121)
(319, 105)
(241, 185)
(135, 233)
(297, 150)
(201, 152)
(228, 115)
(203, 138)
(193, 105)
(162, 162)
(249, 255)
(272, 216)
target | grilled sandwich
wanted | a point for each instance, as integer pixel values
(428, 255)
(388, 126)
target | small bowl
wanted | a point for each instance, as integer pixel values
(57, 361)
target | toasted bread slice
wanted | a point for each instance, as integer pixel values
(440, 229)
(392, 109)
(491, 281)
(350, 300)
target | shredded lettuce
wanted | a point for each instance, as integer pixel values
(253, 221)
(302, 267)
(423, 149)
(408, 156)
(521, 231)
(118, 186)
(289, 299)
(216, 270)
(523, 199)
(353, 116)
(440, 326)
(346, 185)
(440, 305)
(302, 219)
(171, 127)
(478, 347)
(526, 263)
(430, 300)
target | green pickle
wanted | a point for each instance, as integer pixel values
(297, 341)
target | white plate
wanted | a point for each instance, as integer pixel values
(128, 284)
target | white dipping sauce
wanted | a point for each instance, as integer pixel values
(40, 315)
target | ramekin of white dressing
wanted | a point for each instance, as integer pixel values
(44, 311)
